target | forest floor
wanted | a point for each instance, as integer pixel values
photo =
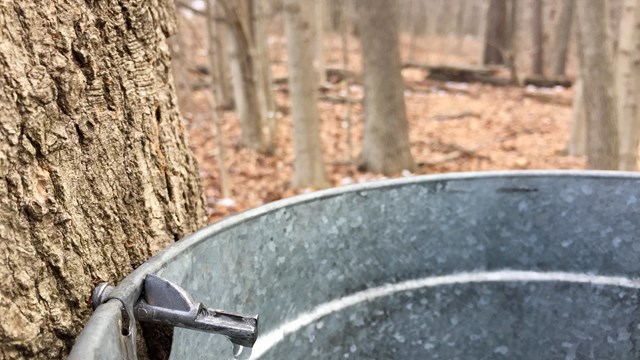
(454, 127)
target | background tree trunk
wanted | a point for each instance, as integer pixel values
(432, 10)
(221, 60)
(445, 17)
(596, 69)
(614, 15)
(461, 9)
(266, 81)
(510, 55)
(512, 25)
(308, 164)
(475, 25)
(243, 74)
(562, 35)
(627, 83)
(385, 145)
(414, 25)
(318, 22)
(495, 41)
(214, 96)
(578, 132)
(180, 65)
(344, 40)
(95, 167)
(538, 37)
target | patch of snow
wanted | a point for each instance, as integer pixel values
(227, 202)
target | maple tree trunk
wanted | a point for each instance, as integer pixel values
(385, 145)
(596, 70)
(495, 41)
(308, 163)
(538, 37)
(243, 74)
(628, 84)
(96, 170)
(562, 33)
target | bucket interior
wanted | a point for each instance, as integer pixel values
(529, 266)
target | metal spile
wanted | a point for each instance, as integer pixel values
(166, 303)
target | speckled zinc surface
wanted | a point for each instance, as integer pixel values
(291, 257)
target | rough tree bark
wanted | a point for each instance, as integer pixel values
(243, 74)
(385, 145)
(303, 84)
(596, 70)
(180, 64)
(628, 84)
(537, 37)
(562, 35)
(495, 40)
(96, 174)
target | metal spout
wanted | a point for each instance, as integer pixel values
(166, 303)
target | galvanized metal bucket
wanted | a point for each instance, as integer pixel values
(513, 265)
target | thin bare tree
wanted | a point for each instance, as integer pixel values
(303, 84)
(244, 74)
(385, 146)
(578, 133)
(628, 84)
(538, 37)
(495, 41)
(263, 72)
(596, 70)
(318, 22)
(344, 38)
(219, 64)
(225, 185)
(562, 36)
